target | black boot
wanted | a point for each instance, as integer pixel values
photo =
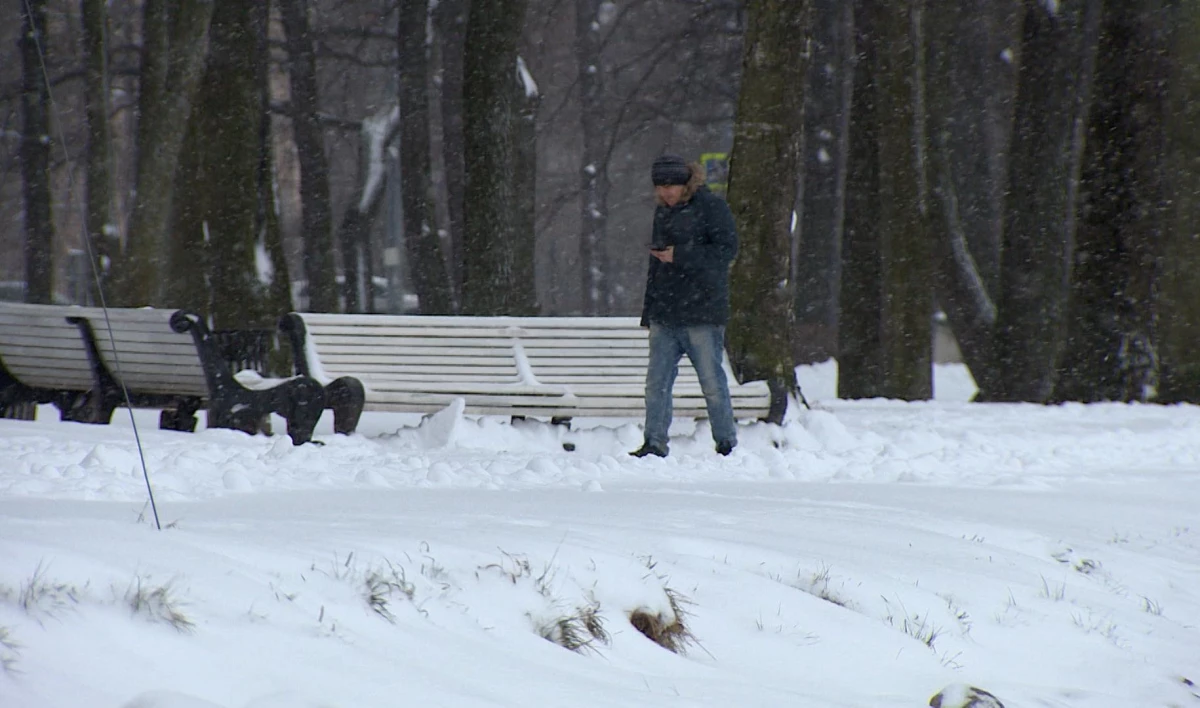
(725, 447)
(648, 449)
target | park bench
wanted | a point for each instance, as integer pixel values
(164, 359)
(44, 360)
(547, 367)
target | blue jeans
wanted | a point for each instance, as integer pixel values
(705, 347)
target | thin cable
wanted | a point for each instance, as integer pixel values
(87, 240)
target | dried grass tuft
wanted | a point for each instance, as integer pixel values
(668, 629)
(158, 604)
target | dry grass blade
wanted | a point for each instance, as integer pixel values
(9, 651)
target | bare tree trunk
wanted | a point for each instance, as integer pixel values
(218, 214)
(188, 255)
(957, 225)
(498, 276)
(1178, 302)
(103, 244)
(35, 157)
(860, 350)
(428, 266)
(826, 124)
(451, 19)
(1053, 92)
(969, 69)
(593, 169)
(317, 213)
(378, 133)
(279, 291)
(1109, 353)
(527, 100)
(763, 175)
(906, 253)
(172, 61)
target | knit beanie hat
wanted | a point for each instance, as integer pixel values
(669, 169)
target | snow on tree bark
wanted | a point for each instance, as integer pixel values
(593, 174)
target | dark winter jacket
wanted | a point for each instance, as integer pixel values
(694, 289)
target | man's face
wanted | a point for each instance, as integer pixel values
(669, 194)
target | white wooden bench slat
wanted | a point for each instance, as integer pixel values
(379, 336)
(385, 363)
(59, 379)
(15, 328)
(475, 347)
(428, 375)
(434, 373)
(400, 360)
(149, 351)
(467, 388)
(161, 368)
(64, 356)
(570, 323)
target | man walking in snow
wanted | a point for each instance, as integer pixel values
(687, 300)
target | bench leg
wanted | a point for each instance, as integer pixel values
(301, 402)
(346, 397)
(92, 407)
(19, 410)
(182, 418)
(779, 401)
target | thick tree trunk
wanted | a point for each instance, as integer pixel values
(35, 156)
(1178, 302)
(172, 62)
(498, 276)
(103, 243)
(316, 211)
(763, 174)
(218, 214)
(1110, 354)
(1053, 92)
(906, 250)
(428, 266)
(826, 123)
(860, 351)
(593, 169)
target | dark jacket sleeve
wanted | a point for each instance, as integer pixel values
(719, 248)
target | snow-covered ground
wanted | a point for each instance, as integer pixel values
(865, 554)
